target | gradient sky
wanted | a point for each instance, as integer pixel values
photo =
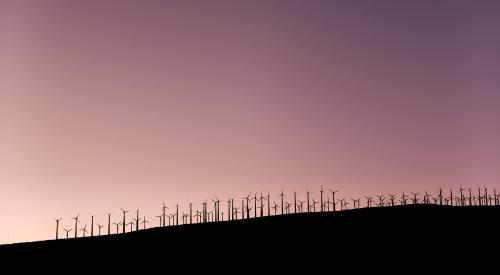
(109, 104)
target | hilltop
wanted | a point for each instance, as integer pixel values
(411, 229)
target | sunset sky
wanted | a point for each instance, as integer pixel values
(109, 104)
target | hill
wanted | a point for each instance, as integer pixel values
(424, 230)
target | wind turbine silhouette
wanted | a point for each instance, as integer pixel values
(144, 222)
(177, 214)
(333, 198)
(136, 220)
(76, 224)
(261, 205)
(190, 212)
(248, 205)
(307, 199)
(92, 226)
(84, 229)
(255, 205)
(198, 216)
(314, 202)
(109, 223)
(275, 207)
(124, 222)
(404, 198)
(301, 205)
(294, 202)
(216, 208)
(415, 199)
(282, 195)
(117, 226)
(321, 198)
(369, 200)
(100, 227)
(160, 219)
(268, 204)
(57, 227)
(391, 198)
(462, 199)
(381, 199)
(236, 211)
(479, 196)
(486, 196)
(164, 207)
(67, 232)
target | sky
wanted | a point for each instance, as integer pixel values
(109, 104)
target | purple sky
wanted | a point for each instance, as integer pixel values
(109, 104)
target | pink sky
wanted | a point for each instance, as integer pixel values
(106, 105)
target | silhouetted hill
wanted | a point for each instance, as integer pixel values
(422, 231)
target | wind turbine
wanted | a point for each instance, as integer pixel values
(198, 216)
(268, 204)
(84, 229)
(190, 212)
(236, 211)
(275, 207)
(333, 198)
(261, 205)
(117, 226)
(216, 208)
(307, 199)
(294, 202)
(301, 204)
(136, 221)
(381, 199)
(462, 198)
(57, 227)
(287, 207)
(164, 207)
(355, 203)
(369, 200)
(248, 204)
(144, 222)
(160, 217)
(392, 196)
(124, 222)
(92, 226)
(109, 223)
(282, 195)
(485, 196)
(76, 224)
(255, 205)
(67, 232)
(321, 198)
(415, 199)
(100, 226)
(404, 198)
(177, 214)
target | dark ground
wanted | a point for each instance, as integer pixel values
(412, 234)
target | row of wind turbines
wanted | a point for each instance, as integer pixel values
(256, 206)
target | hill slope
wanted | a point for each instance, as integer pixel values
(411, 229)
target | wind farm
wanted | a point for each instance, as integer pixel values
(422, 218)
(212, 134)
